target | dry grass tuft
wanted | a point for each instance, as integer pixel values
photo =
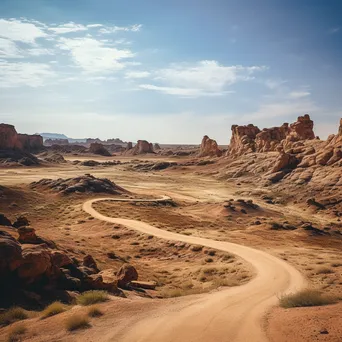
(53, 309)
(306, 297)
(16, 332)
(95, 312)
(92, 297)
(76, 322)
(12, 315)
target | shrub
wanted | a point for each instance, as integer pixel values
(76, 322)
(53, 309)
(12, 315)
(324, 270)
(15, 332)
(92, 297)
(95, 312)
(306, 297)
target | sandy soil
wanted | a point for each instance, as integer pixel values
(204, 220)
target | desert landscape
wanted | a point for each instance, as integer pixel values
(106, 240)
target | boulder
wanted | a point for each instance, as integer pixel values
(209, 148)
(285, 161)
(27, 235)
(126, 274)
(4, 221)
(21, 221)
(10, 254)
(88, 261)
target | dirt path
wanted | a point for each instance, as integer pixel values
(234, 314)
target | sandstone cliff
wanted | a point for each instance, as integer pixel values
(141, 147)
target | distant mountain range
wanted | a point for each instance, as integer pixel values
(60, 136)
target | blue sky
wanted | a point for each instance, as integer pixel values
(168, 71)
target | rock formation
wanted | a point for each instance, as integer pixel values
(10, 140)
(242, 140)
(209, 148)
(86, 183)
(156, 147)
(248, 139)
(35, 271)
(129, 146)
(141, 147)
(98, 148)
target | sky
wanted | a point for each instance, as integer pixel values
(169, 71)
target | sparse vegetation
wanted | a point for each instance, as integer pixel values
(94, 312)
(76, 322)
(307, 297)
(12, 315)
(92, 297)
(16, 332)
(53, 309)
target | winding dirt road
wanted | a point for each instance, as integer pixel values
(232, 315)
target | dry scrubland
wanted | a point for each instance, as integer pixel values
(234, 198)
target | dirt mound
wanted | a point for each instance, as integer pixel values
(55, 158)
(209, 148)
(86, 183)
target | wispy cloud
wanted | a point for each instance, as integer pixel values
(334, 30)
(204, 78)
(22, 30)
(132, 28)
(298, 94)
(93, 55)
(24, 74)
(68, 28)
(9, 49)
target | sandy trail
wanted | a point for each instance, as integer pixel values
(235, 314)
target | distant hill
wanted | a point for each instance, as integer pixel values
(60, 136)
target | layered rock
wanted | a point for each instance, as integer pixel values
(242, 140)
(44, 271)
(209, 148)
(86, 183)
(249, 139)
(10, 139)
(141, 147)
(98, 148)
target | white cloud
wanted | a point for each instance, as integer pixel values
(95, 56)
(21, 30)
(67, 28)
(183, 92)
(132, 28)
(24, 74)
(274, 83)
(9, 49)
(137, 74)
(299, 94)
(94, 25)
(203, 78)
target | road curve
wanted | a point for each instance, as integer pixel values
(233, 315)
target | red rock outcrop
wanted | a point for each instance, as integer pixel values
(126, 274)
(10, 139)
(242, 140)
(269, 138)
(248, 139)
(209, 148)
(141, 147)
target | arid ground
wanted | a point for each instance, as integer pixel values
(217, 251)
